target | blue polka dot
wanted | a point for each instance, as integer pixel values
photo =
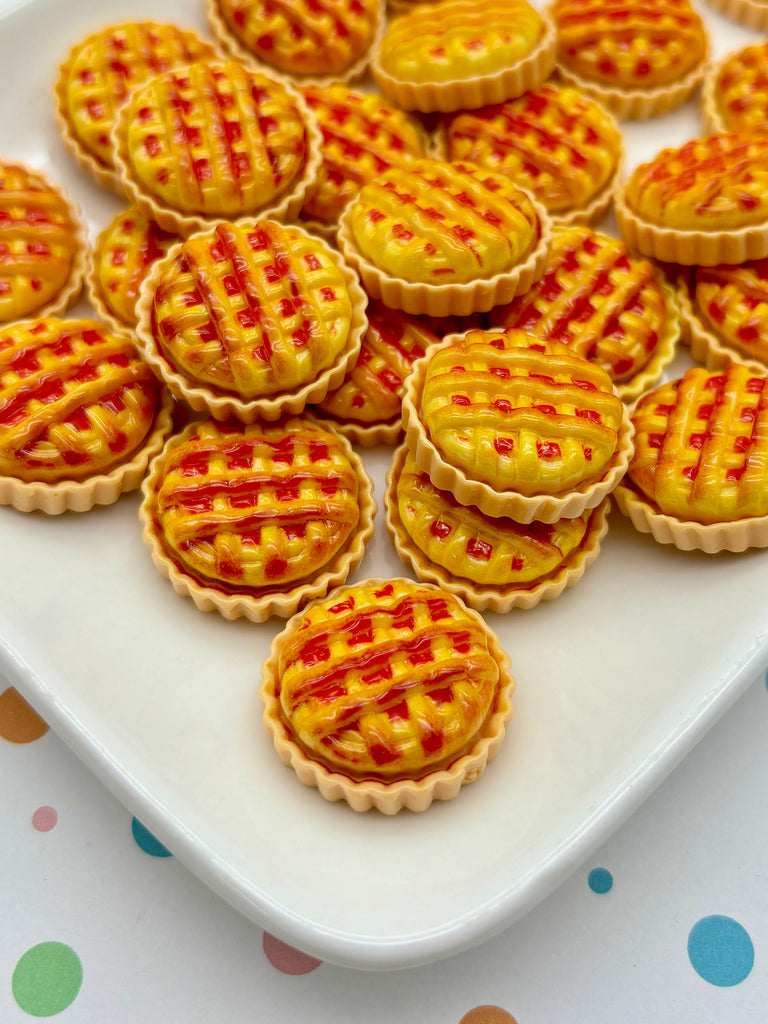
(720, 950)
(147, 841)
(600, 880)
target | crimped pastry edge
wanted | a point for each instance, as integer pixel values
(70, 292)
(543, 507)
(706, 347)
(257, 608)
(688, 248)
(366, 435)
(104, 489)
(221, 405)
(285, 207)
(392, 797)
(708, 105)
(233, 47)
(665, 351)
(478, 91)
(746, 12)
(502, 597)
(458, 299)
(711, 538)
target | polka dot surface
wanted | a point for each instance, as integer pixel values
(44, 819)
(720, 950)
(487, 1015)
(47, 979)
(600, 880)
(286, 959)
(19, 722)
(147, 842)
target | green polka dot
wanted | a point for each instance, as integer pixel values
(47, 978)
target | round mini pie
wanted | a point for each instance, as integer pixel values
(517, 426)
(444, 239)
(43, 245)
(752, 13)
(560, 146)
(491, 563)
(98, 75)
(362, 137)
(122, 257)
(305, 40)
(701, 204)
(610, 307)
(726, 314)
(212, 142)
(699, 474)
(251, 319)
(80, 415)
(255, 520)
(387, 694)
(367, 407)
(639, 58)
(734, 94)
(461, 54)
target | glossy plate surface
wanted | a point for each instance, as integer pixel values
(617, 679)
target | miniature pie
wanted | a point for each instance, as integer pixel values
(560, 146)
(699, 474)
(753, 13)
(610, 307)
(305, 39)
(387, 694)
(518, 426)
(461, 54)
(43, 245)
(639, 58)
(492, 563)
(80, 415)
(251, 319)
(100, 72)
(255, 520)
(703, 203)
(734, 94)
(215, 141)
(443, 238)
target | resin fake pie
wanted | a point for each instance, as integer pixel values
(560, 146)
(518, 426)
(251, 319)
(610, 307)
(387, 694)
(490, 562)
(640, 58)
(753, 13)
(80, 415)
(443, 238)
(703, 203)
(212, 142)
(255, 520)
(43, 245)
(98, 75)
(734, 94)
(305, 40)
(461, 54)
(699, 474)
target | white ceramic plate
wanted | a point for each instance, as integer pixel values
(617, 679)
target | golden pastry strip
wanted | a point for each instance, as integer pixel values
(74, 399)
(701, 445)
(388, 682)
(253, 309)
(552, 141)
(215, 139)
(742, 89)
(630, 44)
(733, 302)
(259, 507)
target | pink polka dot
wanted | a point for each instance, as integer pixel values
(45, 818)
(287, 959)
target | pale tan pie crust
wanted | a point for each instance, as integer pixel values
(365, 435)
(222, 405)
(104, 489)
(477, 91)
(389, 798)
(751, 13)
(545, 508)
(232, 46)
(706, 346)
(286, 205)
(495, 598)
(459, 299)
(242, 602)
(664, 352)
(688, 248)
(710, 108)
(710, 538)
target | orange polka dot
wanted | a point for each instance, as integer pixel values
(19, 723)
(487, 1015)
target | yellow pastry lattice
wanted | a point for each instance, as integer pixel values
(733, 302)
(741, 89)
